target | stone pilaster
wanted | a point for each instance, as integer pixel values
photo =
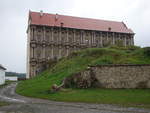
(94, 38)
(44, 52)
(81, 37)
(60, 50)
(74, 37)
(107, 37)
(59, 35)
(35, 33)
(31, 52)
(125, 40)
(52, 51)
(52, 31)
(31, 34)
(67, 36)
(113, 42)
(44, 34)
(101, 39)
(132, 39)
(67, 51)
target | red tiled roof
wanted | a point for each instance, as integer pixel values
(77, 22)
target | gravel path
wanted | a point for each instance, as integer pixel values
(22, 104)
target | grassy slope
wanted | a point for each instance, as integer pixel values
(40, 85)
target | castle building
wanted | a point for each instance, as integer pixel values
(53, 36)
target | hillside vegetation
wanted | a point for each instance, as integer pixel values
(40, 86)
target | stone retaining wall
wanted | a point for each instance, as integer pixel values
(113, 76)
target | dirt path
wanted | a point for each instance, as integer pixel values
(22, 104)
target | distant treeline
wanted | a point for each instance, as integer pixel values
(19, 75)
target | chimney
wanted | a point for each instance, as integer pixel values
(41, 13)
(56, 17)
(109, 29)
(61, 24)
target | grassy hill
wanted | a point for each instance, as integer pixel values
(40, 86)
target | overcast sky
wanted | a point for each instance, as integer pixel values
(14, 16)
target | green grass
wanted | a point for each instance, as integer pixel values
(40, 86)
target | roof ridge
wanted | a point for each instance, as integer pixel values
(79, 17)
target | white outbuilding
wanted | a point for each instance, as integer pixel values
(2, 75)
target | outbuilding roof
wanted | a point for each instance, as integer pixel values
(1, 67)
(45, 19)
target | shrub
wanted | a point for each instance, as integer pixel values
(133, 47)
(147, 51)
(127, 48)
(119, 43)
(118, 47)
(51, 63)
(73, 54)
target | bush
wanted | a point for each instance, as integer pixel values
(51, 63)
(118, 47)
(73, 54)
(119, 43)
(130, 48)
(147, 51)
(133, 47)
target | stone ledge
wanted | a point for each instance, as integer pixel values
(115, 65)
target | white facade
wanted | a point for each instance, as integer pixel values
(2, 76)
(13, 78)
